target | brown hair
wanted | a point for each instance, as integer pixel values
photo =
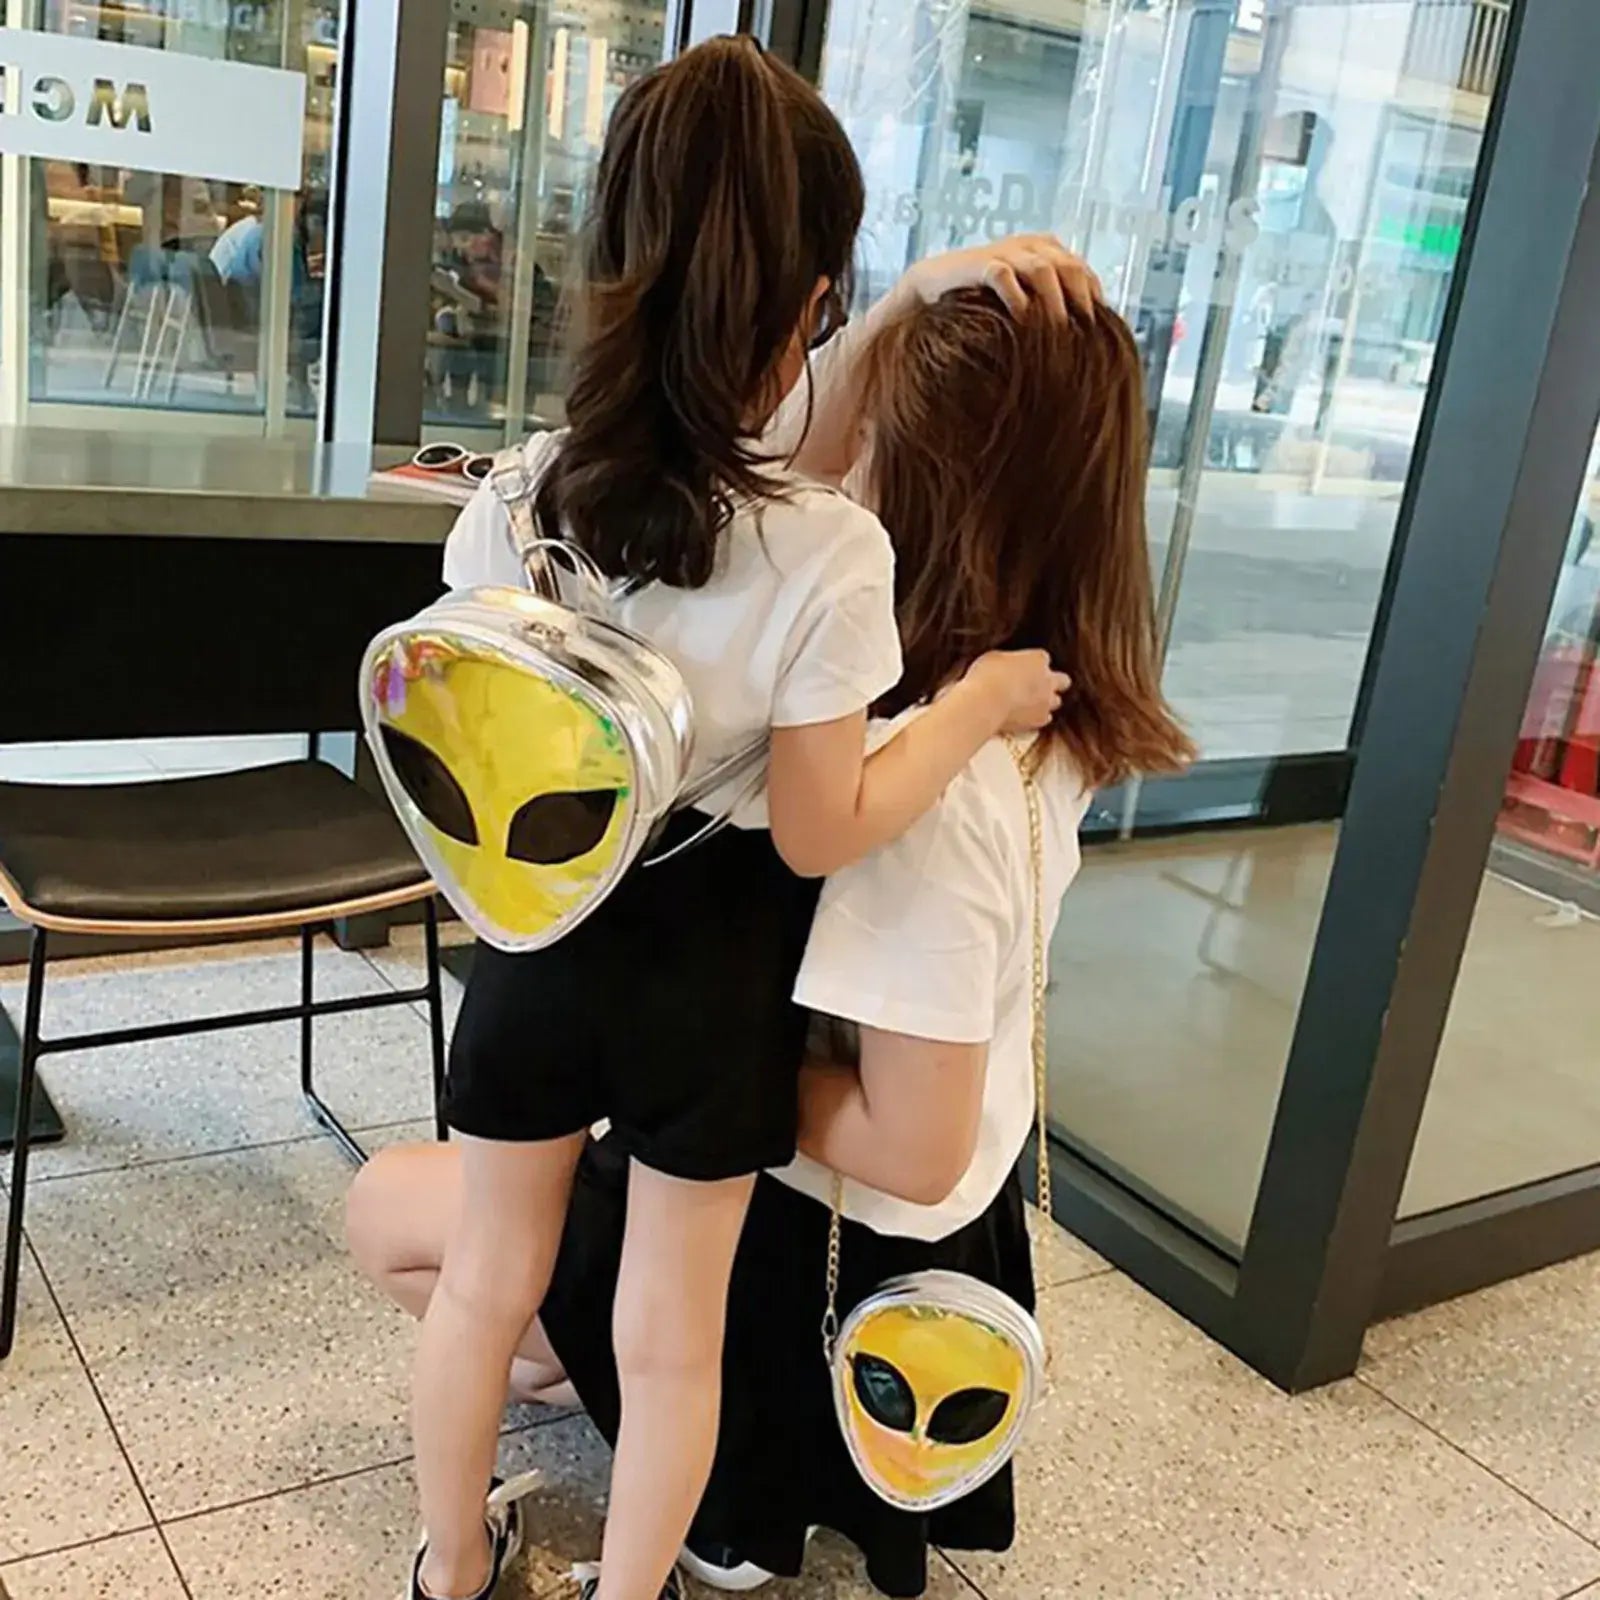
(1008, 463)
(726, 190)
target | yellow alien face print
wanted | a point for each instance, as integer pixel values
(517, 791)
(932, 1397)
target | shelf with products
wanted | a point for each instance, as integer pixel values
(1552, 797)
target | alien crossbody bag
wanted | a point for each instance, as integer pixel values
(533, 747)
(935, 1374)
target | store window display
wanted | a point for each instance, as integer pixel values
(148, 292)
(1515, 1097)
(528, 90)
(1552, 802)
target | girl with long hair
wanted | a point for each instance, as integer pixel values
(719, 248)
(1006, 455)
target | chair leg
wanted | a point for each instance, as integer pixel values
(27, 1072)
(161, 311)
(308, 967)
(430, 934)
(150, 336)
(123, 320)
(324, 1118)
(179, 349)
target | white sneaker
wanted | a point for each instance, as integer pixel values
(719, 1566)
(503, 1512)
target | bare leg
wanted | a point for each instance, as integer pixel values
(496, 1269)
(671, 1307)
(399, 1214)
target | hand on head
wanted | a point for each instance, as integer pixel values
(1024, 270)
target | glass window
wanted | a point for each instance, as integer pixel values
(1274, 200)
(150, 292)
(528, 92)
(1515, 1096)
(1273, 197)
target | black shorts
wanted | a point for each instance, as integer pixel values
(782, 1466)
(668, 1011)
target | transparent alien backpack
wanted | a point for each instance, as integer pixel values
(533, 747)
(935, 1373)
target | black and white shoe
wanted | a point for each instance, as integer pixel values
(720, 1566)
(589, 1584)
(502, 1513)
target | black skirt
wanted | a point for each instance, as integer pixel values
(668, 1012)
(781, 1465)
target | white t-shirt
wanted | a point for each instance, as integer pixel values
(932, 936)
(795, 627)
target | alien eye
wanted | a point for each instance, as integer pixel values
(552, 828)
(885, 1396)
(967, 1416)
(430, 786)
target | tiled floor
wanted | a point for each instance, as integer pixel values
(206, 1403)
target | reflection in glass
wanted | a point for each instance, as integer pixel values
(1273, 196)
(150, 290)
(1516, 1095)
(527, 95)
(1175, 980)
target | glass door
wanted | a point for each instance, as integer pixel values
(133, 294)
(1273, 197)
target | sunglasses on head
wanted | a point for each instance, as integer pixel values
(447, 457)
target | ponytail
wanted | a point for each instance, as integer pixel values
(718, 207)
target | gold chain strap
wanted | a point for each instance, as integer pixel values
(830, 1317)
(1041, 970)
(1040, 979)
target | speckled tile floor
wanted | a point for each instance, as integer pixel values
(207, 1404)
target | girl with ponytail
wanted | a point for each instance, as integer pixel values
(718, 251)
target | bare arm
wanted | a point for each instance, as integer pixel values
(905, 1123)
(1024, 271)
(833, 440)
(831, 804)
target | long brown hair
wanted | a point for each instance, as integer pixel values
(1008, 463)
(726, 190)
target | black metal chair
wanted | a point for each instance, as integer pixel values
(295, 845)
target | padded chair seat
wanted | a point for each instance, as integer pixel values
(240, 845)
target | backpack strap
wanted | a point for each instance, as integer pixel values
(514, 481)
(515, 487)
(747, 762)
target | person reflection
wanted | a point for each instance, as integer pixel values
(1294, 301)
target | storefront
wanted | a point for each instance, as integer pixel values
(1318, 1041)
(124, 307)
